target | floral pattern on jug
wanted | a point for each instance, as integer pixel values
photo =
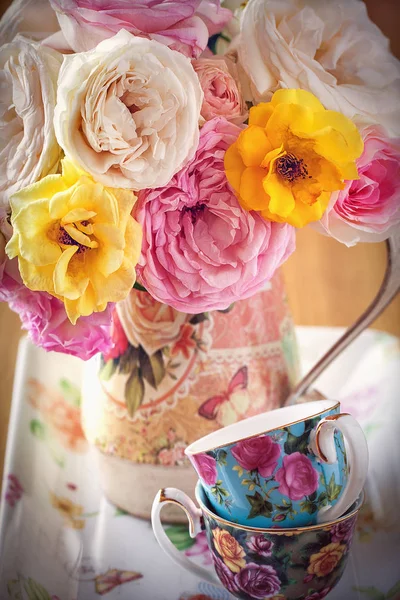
(173, 377)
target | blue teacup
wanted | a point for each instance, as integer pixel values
(291, 467)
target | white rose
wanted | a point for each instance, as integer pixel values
(127, 111)
(34, 18)
(330, 48)
(28, 146)
(149, 323)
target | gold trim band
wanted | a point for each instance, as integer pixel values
(250, 437)
(318, 430)
(282, 530)
(164, 499)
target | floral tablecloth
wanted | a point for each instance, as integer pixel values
(61, 540)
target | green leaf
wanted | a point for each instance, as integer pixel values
(134, 391)
(230, 307)
(139, 287)
(35, 591)
(180, 537)
(393, 590)
(259, 506)
(309, 507)
(333, 490)
(313, 497)
(157, 364)
(196, 319)
(38, 429)
(322, 498)
(152, 367)
(238, 469)
(119, 512)
(108, 369)
(297, 443)
(71, 392)
(221, 457)
(128, 360)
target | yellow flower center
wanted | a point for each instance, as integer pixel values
(76, 229)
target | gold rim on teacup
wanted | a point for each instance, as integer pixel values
(264, 431)
(272, 530)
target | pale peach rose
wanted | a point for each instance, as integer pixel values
(222, 94)
(28, 145)
(149, 323)
(127, 111)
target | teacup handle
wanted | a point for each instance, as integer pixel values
(323, 446)
(194, 516)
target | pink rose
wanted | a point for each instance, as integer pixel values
(368, 208)
(222, 93)
(206, 467)
(44, 317)
(297, 476)
(166, 457)
(258, 581)
(260, 545)
(183, 26)
(259, 453)
(225, 575)
(319, 595)
(149, 323)
(118, 338)
(201, 251)
(343, 531)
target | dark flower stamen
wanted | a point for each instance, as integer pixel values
(195, 211)
(291, 168)
(67, 240)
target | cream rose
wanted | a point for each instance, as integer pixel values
(28, 145)
(127, 111)
(330, 48)
(149, 323)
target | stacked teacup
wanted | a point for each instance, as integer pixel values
(279, 495)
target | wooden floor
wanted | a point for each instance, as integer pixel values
(327, 283)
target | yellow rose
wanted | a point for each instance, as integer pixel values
(291, 157)
(229, 549)
(326, 559)
(76, 240)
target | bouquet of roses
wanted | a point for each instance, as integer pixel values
(176, 146)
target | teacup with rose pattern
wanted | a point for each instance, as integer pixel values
(255, 564)
(293, 466)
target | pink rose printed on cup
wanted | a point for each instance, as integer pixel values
(260, 545)
(272, 479)
(221, 87)
(258, 454)
(368, 208)
(343, 531)
(226, 576)
(258, 581)
(297, 477)
(206, 466)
